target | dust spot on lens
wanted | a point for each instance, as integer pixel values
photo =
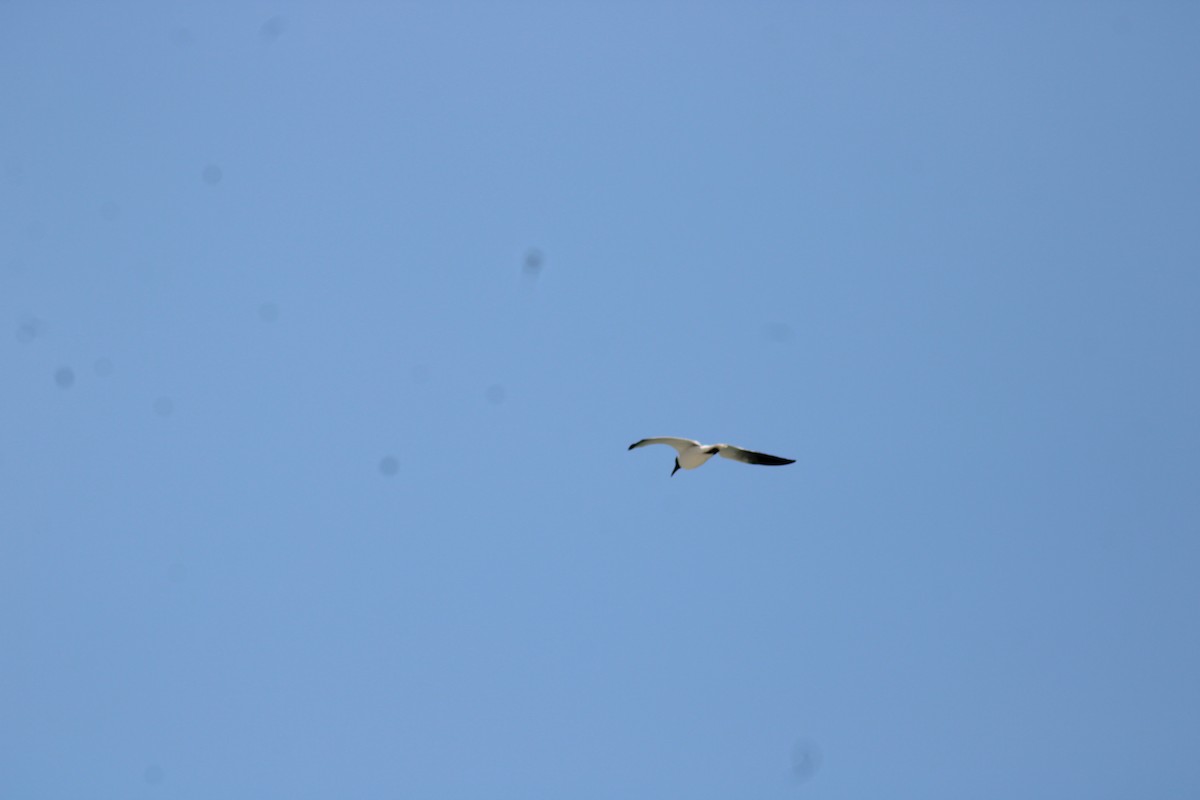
(64, 377)
(272, 29)
(778, 332)
(153, 775)
(495, 394)
(110, 211)
(164, 406)
(103, 367)
(29, 329)
(420, 373)
(806, 760)
(182, 37)
(534, 259)
(268, 312)
(212, 174)
(389, 466)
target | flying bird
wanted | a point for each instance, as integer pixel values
(692, 454)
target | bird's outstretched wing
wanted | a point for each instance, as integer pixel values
(679, 444)
(751, 457)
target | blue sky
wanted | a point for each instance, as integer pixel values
(311, 488)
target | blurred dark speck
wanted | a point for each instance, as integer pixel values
(533, 261)
(806, 760)
(64, 377)
(212, 174)
(273, 28)
(29, 329)
(110, 211)
(268, 312)
(164, 406)
(103, 367)
(779, 332)
(495, 394)
(153, 774)
(389, 466)
(182, 37)
(420, 373)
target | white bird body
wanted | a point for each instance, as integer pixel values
(692, 454)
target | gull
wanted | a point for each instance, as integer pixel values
(692, 454)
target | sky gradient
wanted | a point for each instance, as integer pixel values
(328, 327)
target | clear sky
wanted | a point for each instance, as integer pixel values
(326, 326)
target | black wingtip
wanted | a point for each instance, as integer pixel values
(769, 461)
(633, 445)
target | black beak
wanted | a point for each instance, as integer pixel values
(676, 468)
